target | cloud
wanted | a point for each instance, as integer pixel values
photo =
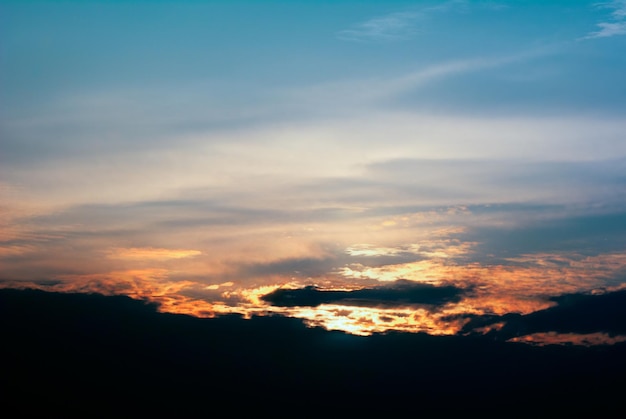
(149, 253)
(392, 27)
(509, 179)
(580, 318)
(302, 266)
(397, 26)
(608, 29)
(548, 231)
(375, 93)
(618, 7)
(399, 294)
(152, 284)
(617, 25)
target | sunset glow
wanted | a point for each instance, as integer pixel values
(391, 167)
(522, 286)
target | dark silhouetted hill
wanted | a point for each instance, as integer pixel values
(95, 356)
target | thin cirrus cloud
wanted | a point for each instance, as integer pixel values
(396, 26)
(609, 29)
(616, 25)
(392, 27)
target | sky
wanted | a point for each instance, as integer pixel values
(365, 166)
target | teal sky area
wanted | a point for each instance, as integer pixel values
(516, 54)
(207, 152)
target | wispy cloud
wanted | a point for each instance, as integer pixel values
(357, 94)
(616, 25)
(397, 26)
(608, 29)
(392, 27)
(618, 7)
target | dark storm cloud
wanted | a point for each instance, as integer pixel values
(399, 294)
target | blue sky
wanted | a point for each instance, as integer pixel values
(210, 151)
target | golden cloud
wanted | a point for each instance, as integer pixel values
(150, 253)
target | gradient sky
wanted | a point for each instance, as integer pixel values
(202, 154)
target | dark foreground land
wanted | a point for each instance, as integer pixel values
(95, 356)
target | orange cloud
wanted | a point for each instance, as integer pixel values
(151, 285)
(523, 285)
(150, 253)
(16, 250)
